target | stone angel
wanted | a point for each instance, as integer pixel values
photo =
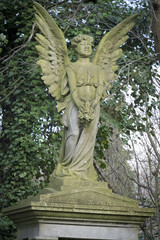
(78, 87)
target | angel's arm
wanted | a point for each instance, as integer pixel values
(73, 88)
(100, 89)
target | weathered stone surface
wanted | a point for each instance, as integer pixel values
(78, 209)
(88, 232)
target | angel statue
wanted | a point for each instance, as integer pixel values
(78, 87)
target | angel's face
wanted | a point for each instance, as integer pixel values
(84, 48)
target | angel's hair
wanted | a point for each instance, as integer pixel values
(80, 38)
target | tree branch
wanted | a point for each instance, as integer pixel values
(12, 90)
(22, 46)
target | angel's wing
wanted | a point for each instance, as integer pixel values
(109, 51)
(53, 56)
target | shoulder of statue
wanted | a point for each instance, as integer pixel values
(72, 66)
(98, 67)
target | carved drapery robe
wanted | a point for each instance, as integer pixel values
(78, 142)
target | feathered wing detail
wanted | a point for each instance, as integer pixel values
(109, 51)
(53, 56)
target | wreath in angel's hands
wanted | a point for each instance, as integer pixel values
(54, 57)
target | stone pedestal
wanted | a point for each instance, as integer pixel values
(70, 209)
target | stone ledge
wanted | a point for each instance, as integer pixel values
(80, 205)
(70, 209)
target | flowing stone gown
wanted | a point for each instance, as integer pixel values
(78, 142)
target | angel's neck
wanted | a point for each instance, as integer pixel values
(83, 60)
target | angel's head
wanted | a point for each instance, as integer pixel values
(83, 45)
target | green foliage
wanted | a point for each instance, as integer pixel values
(30, 134)
(8, 230)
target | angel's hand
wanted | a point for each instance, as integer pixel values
(79, 104)
(83, 108)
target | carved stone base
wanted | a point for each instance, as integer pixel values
(71, 209)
